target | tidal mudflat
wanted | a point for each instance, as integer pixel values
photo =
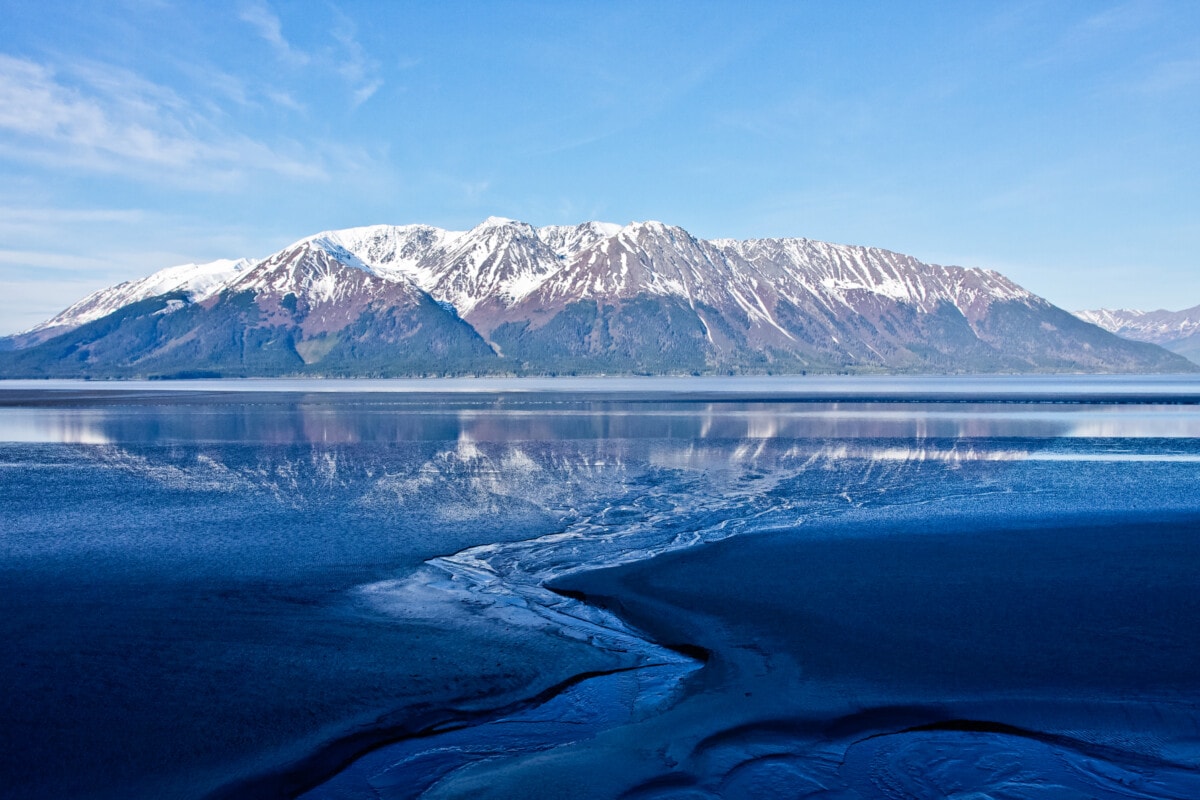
(839, 588)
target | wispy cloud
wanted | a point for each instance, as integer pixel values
(224, 88)
(1094, 35)
(70, 263)
(363, 93)
(285, 100)
(1120, 18)
(22, 221)
(1168, 77)
(268, 25)
(616, 90)
(805, 115)
(359, 70)
(105, 119)
(464, 191)
(345, 57)
(474, 191)
(11, 214)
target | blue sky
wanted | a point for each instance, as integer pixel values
(1054, 141)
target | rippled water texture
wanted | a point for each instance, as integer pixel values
(877, 588)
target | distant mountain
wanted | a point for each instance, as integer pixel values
(505, 297)
(1177, 331)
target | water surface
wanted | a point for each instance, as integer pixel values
(232, 587)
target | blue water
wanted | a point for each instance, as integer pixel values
(209, 590)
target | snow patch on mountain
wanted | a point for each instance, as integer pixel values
(395, 251)
(199, 281)
(838, 275)
(1158, 327)
(319, 270)
(567, 240)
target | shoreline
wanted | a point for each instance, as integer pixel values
(971, 387)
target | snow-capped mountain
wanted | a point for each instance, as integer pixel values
(842, 275)
(508, 297)
(496, 263)
(1159, 326)
(501, 263)
(199, 281)
(1178, 331)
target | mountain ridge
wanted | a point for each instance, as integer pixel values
(1177, 331)
(507, 297)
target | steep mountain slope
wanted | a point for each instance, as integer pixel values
(311, 308)
(1177, 331)
(592, 298)
(491, 266)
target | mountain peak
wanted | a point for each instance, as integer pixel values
(498, 222)
(653, 229)
(650, 225)
(336, 250)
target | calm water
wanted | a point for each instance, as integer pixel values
(240, 587)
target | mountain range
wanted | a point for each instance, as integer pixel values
(1177, 331)
(595, 298)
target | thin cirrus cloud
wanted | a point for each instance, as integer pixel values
(285, 100)
(1096, 34)
(268, 25)
(68, 263)
(104, 119)
(23, 221)
(1167, 78)
(359, 70)
(348, 59)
